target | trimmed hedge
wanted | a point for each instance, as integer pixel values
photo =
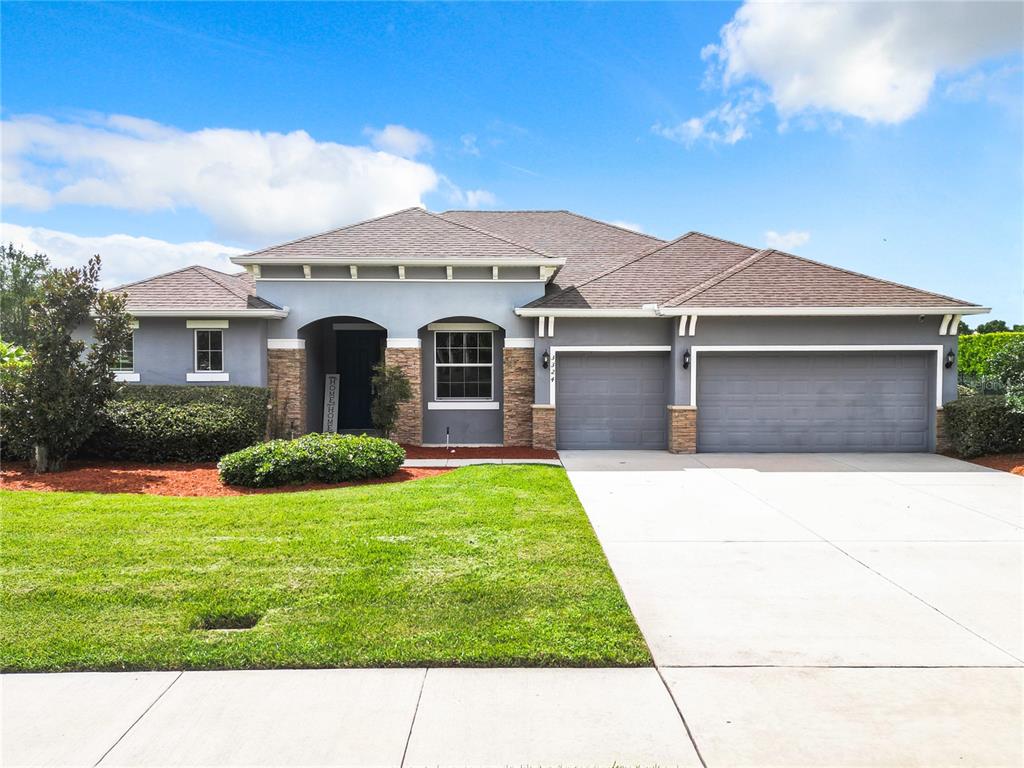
(976, 349)
(983, 424)
(313, 458)
(174, 423)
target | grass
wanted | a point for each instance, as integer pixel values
(487, 565)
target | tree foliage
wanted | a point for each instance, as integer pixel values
(992, 326)
(1007, 365)
(54, 404)
(21, 277)
(391, 388)
(977, 349)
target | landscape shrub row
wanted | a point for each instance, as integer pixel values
(176, 423)
(313, 458)
(982, 424)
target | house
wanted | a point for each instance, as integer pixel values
(550, 329)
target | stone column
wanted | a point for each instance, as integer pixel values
(518, 396)
(682, 429)
(286, 377)
(942, 443)
(544, 427)
(409, 429)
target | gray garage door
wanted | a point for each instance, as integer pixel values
(817, 401)
(615, 400)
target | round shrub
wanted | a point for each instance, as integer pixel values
(313, 458)
(983, 424)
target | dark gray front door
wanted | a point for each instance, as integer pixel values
(611, 400)
(815, 401)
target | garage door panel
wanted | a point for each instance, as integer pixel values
(612, 400)
(815, 401)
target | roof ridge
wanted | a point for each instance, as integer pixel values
(725, 274)
(204, 271)
(154, 277)
(610, 270)
(610, 224)
(723, 240)
(872, 277)
(489, 234)
(557, 210)
(335, 229)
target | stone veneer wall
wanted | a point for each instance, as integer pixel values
(544, 427)
(286, 377)
(682, 429)
(518, 396)
(942, 443)
(409, 429)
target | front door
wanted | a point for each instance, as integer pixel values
(358, 352)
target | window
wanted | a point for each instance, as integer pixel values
(463, 365)
(209, 350)
(125, 360)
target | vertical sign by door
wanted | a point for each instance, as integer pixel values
(331, 402)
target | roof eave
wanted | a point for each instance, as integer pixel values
(543, 261)
(749, 311)
(275, 314)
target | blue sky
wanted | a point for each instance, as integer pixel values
(885, 139)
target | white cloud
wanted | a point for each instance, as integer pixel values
(628, 225)
(469, 145)
(253, 186)
(725, 124)
(124, 258)
(399, 140)
(467, 198)
(875, 61)
(786, 241)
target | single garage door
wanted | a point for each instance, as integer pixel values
(815, 401)
(613, 400)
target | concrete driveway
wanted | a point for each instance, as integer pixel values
(847, 609)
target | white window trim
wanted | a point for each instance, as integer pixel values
(126, 376)
(207, 376)
(195, 352)
(553, 352)
(464, 400)
(464, 405)
(938, 349)
(208, 325)
(462, 327)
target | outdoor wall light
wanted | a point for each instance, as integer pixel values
(686, 359)
(950, 359)
(545, 359)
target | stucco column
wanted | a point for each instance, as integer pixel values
(518, 396)
(409, 429)
(286, 377)
(682, 429)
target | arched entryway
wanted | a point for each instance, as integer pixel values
(341, 352)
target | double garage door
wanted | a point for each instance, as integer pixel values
(752, 402)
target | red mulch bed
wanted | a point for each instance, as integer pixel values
(1007, 462)
(486, 452)
(161, 479)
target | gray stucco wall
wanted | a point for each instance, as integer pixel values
(402, 307)
(743, 331)
(165, 353)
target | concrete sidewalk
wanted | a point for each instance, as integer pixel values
(354, 717)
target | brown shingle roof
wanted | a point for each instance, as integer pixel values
(701, 271)
(413, 233)
(195, 287)
(776, 279)
(653, 277)
(590, 247)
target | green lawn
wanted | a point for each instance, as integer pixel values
(486, 565)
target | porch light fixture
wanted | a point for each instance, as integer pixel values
(686, 359)
(545, 359)
(950, 359)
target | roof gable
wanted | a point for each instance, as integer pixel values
(195, 287)
(589, 246)
(413, 233)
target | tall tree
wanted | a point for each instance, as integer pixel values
(21, 276)
(992, 326)
(59, 396)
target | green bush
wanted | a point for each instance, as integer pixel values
(976, 350)
(142, 430)
(983, 424)
(1007, 365)
(322, 458)
(253, 400)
